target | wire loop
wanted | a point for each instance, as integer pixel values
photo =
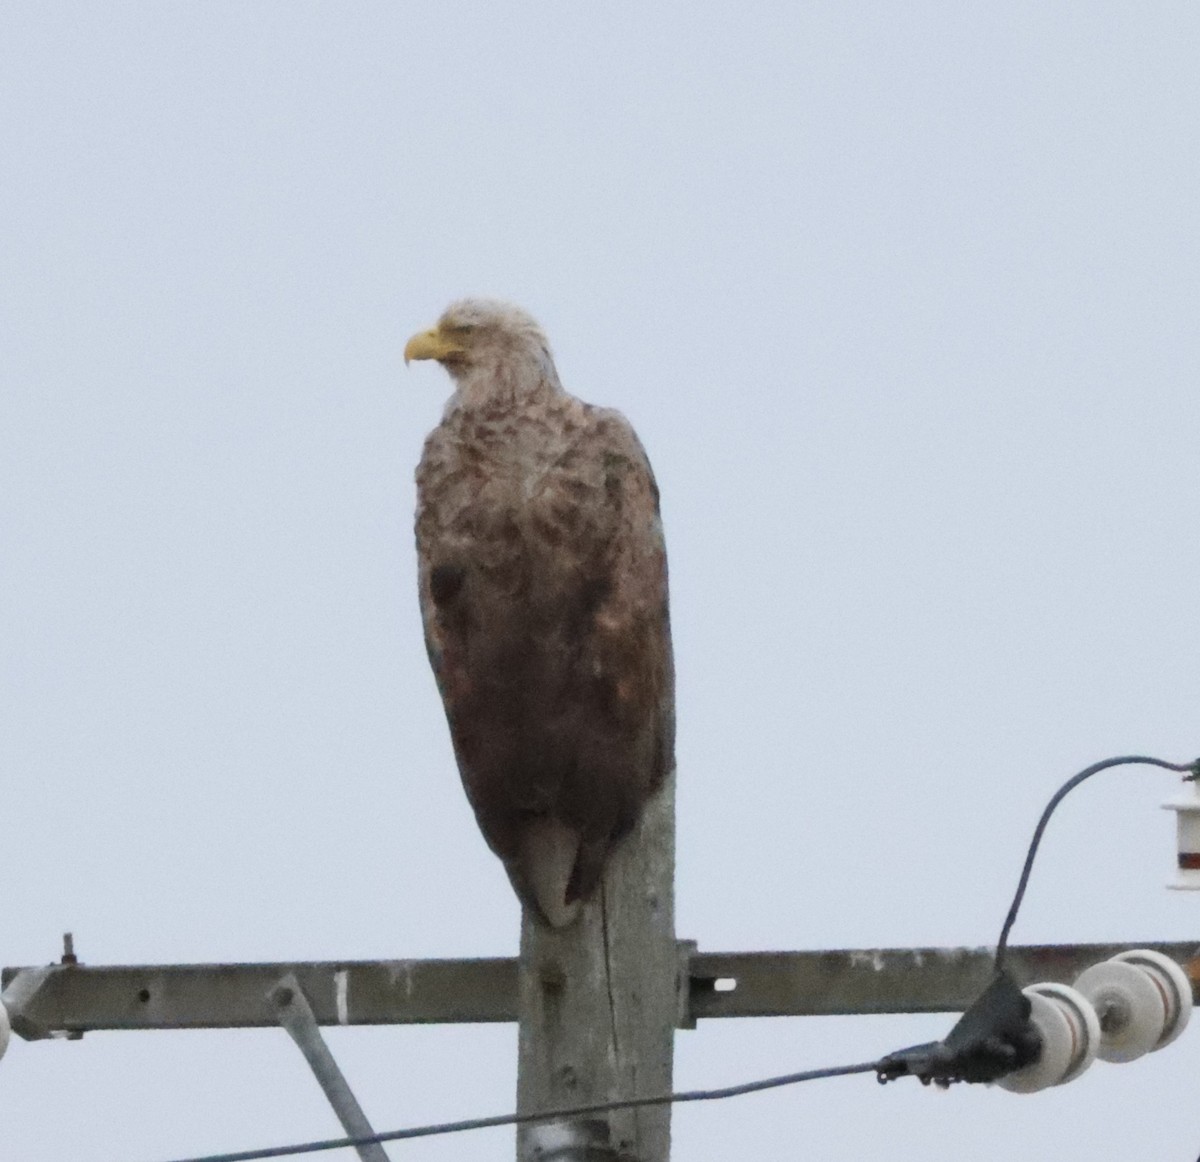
(1192, 769)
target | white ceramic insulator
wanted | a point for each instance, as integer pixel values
(1085, 1025)
(1070, 1034)
(5, 1029)
(1132, 1008)
(1173, 982)
(1187, 809)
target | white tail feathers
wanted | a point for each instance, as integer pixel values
(547, 857)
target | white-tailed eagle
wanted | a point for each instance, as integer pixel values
(543, 587)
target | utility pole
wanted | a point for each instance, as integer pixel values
(598, 1003)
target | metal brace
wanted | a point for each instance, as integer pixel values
(295, 1014)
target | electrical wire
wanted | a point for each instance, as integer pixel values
(1192, 768)
(544, 1116)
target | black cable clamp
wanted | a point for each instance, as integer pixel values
(993, 1038)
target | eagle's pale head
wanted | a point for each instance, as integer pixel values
(484, 340)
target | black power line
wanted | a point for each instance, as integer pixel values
(544, 1116)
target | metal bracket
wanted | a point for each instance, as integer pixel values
(295, 1014)
(584, 1140)
(19, 995)
(684, 951)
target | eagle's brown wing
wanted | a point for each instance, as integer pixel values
(543, 585)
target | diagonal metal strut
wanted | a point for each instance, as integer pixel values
(296, 1016)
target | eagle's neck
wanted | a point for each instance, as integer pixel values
(505, 383)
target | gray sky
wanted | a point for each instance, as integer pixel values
(903, 301)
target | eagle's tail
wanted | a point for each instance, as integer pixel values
(545, 863)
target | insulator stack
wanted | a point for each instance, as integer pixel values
(1136, 1003)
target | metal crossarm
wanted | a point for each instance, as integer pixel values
(71, 999)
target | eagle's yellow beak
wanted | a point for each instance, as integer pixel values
(432, 344)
